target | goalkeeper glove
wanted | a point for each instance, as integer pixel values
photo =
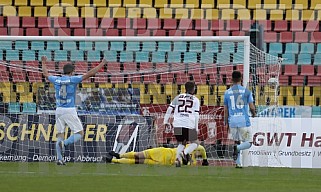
(204, 162)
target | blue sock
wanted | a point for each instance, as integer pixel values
(72, 139)
(238, 160)
(58, 151)
(244, 145)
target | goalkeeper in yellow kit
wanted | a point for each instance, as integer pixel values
(155, 156)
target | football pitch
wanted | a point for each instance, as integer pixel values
(91, 177)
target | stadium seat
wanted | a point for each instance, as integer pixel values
(292, 48)
(60, 55)
(308, 15)
(197, 14)
(243, 14)
(270, 37)
(165, 13)
(227, 14)
(315, 37)
(28, 55)
(67, 45)
(112, 32)
(134, 12)
(289, 58)
(158, 56)
(304, 59)
(93, 56)
(20, 2)
(145, 3)
(21, 45)
(217, 25)
(143, 32)
(9, 11)
(12, 55)
(176, 3)
(83, 3)
(298, 80)
(232, 25)
(286, 37)
(116, 46)
(139, 23)
(13, 21)
(181, 13)
(40, 12)
(85, 45)
(76, 55)
(301, 37)
(276, 14)
(44, 53)
(312, 26)
(190, 57)
(14, 108)
(270, 4)
(119, 12)
(37, 45)
(254, 4)
(185, 24)
(212, 14)
(76, 22)
(180, 46)
(153, 23)
(24, 11)
(170, 24)
(291, 15)
(301, 4)
(259, 14)
(32, 32)
(123, 23)
(206, 57)
(142, 56)
(110, 56)
(15, 31)
(206, 33)
(296, 25)
(275, 48)
(174, 57)
(104, 12)
(307, 48)
(126, 56)
(239, 4)
(29, 108)
(36, 3)
(201, 24)
(149, 13)
(307, 70)
(318, 48)
(106, 23)
(281, 26)
(285, 4)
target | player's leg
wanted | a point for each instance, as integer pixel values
(75, 125)
(191, 135)
(178, 133)
(60, 126)
(235, 136)
(243, 143)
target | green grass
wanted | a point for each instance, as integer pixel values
(90, 177)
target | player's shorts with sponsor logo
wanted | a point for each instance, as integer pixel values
(241, 134)
(67, 117)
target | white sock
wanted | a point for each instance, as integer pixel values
(179, 150)
(190, 148)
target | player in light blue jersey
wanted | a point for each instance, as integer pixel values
(66, 114)
(237, 102)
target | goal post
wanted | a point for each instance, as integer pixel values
(123, 106)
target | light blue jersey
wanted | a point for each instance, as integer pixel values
(237, 99)
(65, 88)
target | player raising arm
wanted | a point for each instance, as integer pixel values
(237, 100)
(66, 114)
(155, 156)
(186, 116)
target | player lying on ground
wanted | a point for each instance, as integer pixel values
(155, 156)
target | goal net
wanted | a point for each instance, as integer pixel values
(123, 106)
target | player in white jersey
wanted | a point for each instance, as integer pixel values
(237, 100)
(66, 114)
(186, 115)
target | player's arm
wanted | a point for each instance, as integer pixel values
(202, 150)
(169, 110)
(44, 67)
(197, 113)
(93, 71)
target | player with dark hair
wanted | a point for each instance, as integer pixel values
(186, 116)
(237, 101)
(66, 114)
(154, 156)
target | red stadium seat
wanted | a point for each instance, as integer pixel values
(225, 70)
(64, 32)
(217, 25)
(296, 25)
(301, 37)
(1, 21)
(175, 33)
(318, 70)
(130, 67)
(34, 77)
(286, 37)
(246, 25)
(113, 67)
(166, 78)
(315, 37)
(232, 25)
(80, 32)
(81, 67)
(281, 25)
(32, 64)
(117, 79)
(162, 67)
(222, 33)
(307, 70)
(13, 21)
(28, 22)
(159, 32)
(44, 22)
(150, 78)
(94, 64)
(107, 23)
(16, 31)
(284, 80)
(201, 24)
(190, 33)
(153, 23)
(143, 32)
(123, 23)
(270, 37)
(112, 32)
(146, 66)
(206, 33)
(128, 32)
(184, 24)
(290, 70)
(181, 78)
(238, 33)
(101, 78)
(199, 78)
(170, 24)
(312, 26)
(32, 32)
(266, 24)
(139, 23)
(3, 31)
(48, 32)
(91, 23)
(297, 80)
(4, 76)
(18, 76)
(76, 22)
(95, 32)
(60, 22)
(314, 81)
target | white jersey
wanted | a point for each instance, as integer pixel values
(186, 111)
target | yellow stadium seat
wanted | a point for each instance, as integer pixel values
(159, 99)
(202, 89)
(36, 86)
(99, 3)
(171, 89)
(88, 85)
(269, 4)
(25, 98)
(72, 12)
(228, 14)
(165, 13)
(285, 4)
(103, 12)
(191, 4)
(145, 3)
(208, 4)
(144, 98)
(223, 4)
(211, 100)
(239, 4)
(56, 11)
(105, 85)
(154, 89)
(292, 14)
(161, 4)
(87, 12)
(114, 3)
(134, 12)
(36, 3)
(6, 97)
(6, 2)
(308, 15)
(13, 97)
(276, 15)
(301, 4)
(20, 2)
(181, 14)
(254, 4)
(40, 11)
(309, 101)
(259, 14)
(176, 3)
(243, 14)
(149, 13)
(24, 11)
(197, 13)
(315, 4)
(211, 14)
(121, 85)
(52, 3)
(9, 11)
(67, 3)
(119, 12)
(83, 3)
(129, 3)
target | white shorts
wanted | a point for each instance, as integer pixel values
(241, 134)
(69, 117)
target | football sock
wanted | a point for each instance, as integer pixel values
(190, 148)
(123, 161)
(129, 155)
(150, 162)
(58, 151)
(179, 150)
(243, 146)
(238, 160)
(72, 139)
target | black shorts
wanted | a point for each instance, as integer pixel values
(184, 134)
